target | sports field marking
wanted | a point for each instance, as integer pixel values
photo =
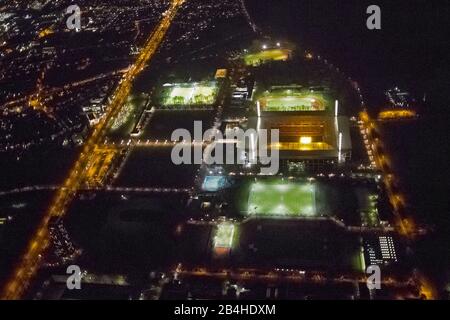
(190, 94)
(283, 199)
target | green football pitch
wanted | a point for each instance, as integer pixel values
(254, 59)
(294, 100)
(293, 104)
(191, 94)
(282, 199)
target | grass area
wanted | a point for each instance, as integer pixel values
(297, 244)
(149, 167)
(194, 93)
(292, 103)
(282, 199)
(164, 122)
(255, 59)
(294, 100)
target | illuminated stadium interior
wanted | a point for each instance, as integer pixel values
(293, 99)
(303, 133)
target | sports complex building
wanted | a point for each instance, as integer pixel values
(313, 135)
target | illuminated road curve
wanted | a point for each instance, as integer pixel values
(382, 163)
(29, 264)
(406, 225)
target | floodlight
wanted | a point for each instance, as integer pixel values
(305, 140)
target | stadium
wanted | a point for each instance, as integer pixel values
(312, 133)
(189, 94)
(309, 137)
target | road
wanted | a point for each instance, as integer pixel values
(48, 93)
(382, 162)
(406, 225)
(31, 260)
(142, 143)
(284, 275)
(107, 188)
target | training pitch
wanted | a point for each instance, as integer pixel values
(224, 235)
(282, 199)
(255, 59)
(190, 94)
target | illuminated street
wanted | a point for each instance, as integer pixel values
(241, 152)
(30, 262)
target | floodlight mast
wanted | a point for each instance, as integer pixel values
(340, 148)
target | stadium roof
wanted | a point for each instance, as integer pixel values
(308, 137)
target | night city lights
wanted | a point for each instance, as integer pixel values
(230, 155)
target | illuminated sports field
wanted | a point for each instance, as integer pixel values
(293, 100)
(214, 183)
(224, 235)
(282, 199)
(255, 59)
(204, 93)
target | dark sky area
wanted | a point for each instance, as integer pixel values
(412, 49)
